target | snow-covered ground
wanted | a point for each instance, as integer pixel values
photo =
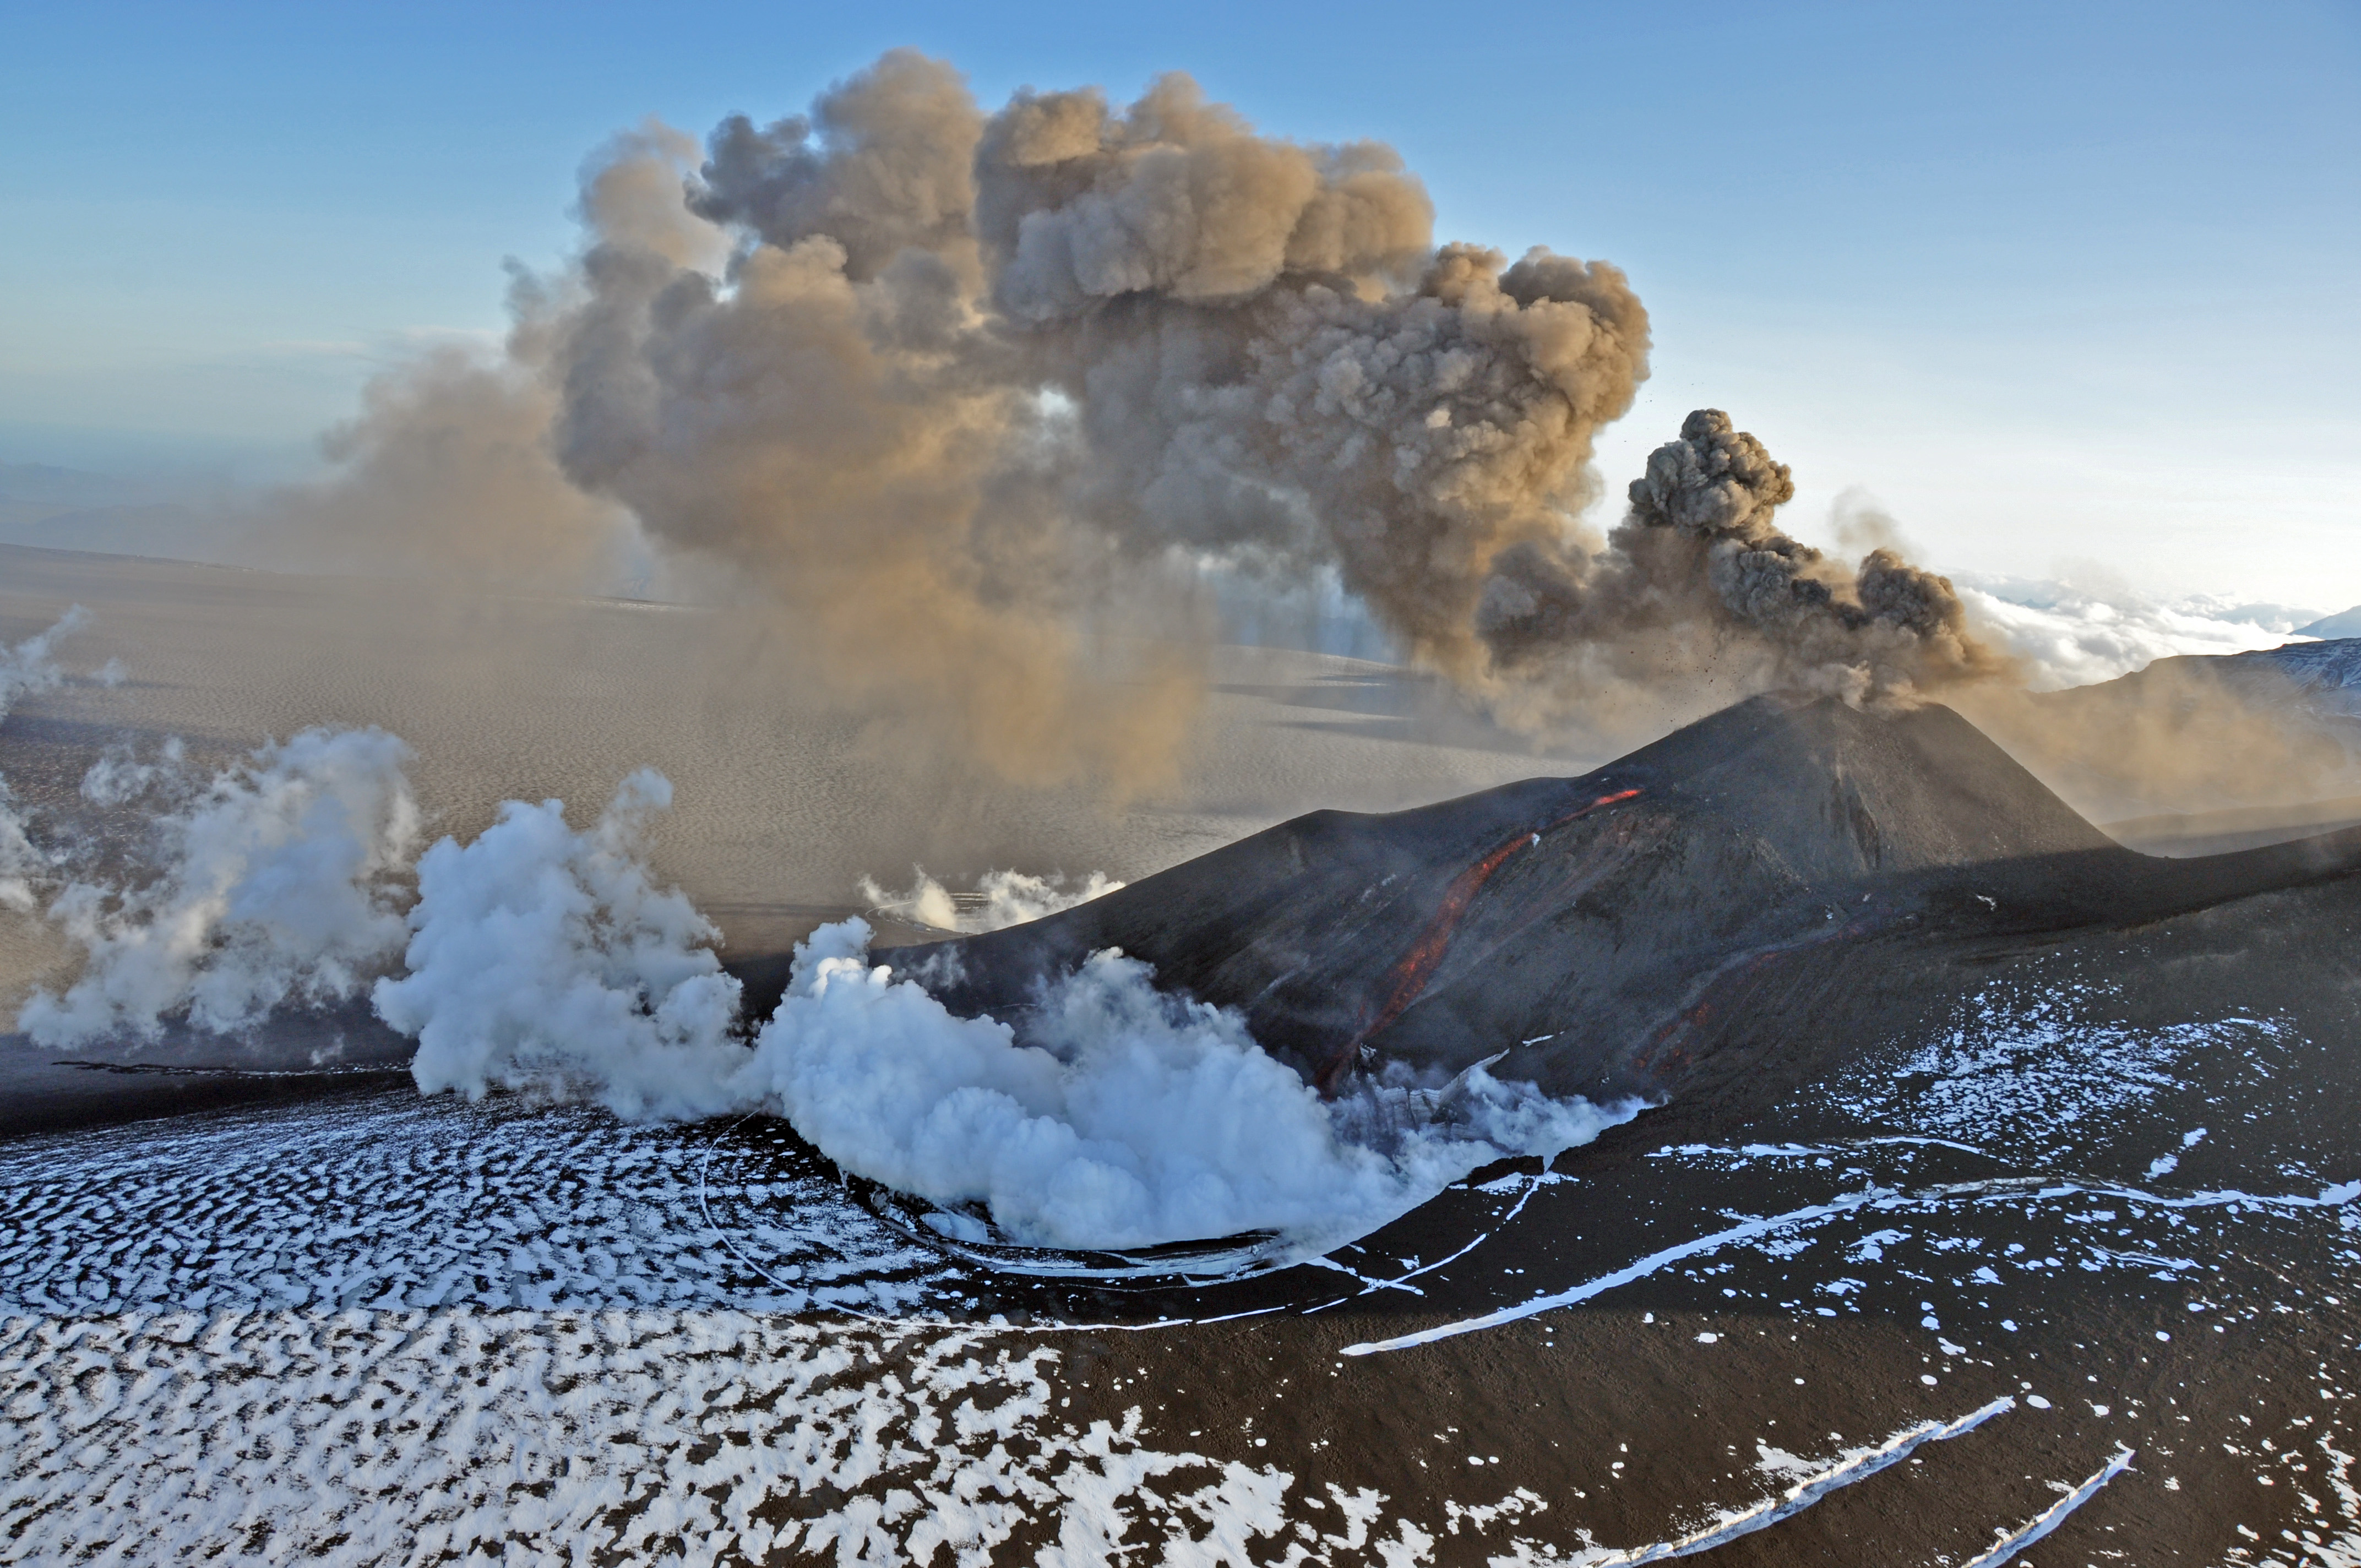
(387, 1328)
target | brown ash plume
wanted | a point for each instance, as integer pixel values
(959, 392)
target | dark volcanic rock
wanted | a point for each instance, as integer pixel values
(1763, 892)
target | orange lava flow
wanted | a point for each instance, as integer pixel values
(1407, 980)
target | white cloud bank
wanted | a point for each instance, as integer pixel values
(2071, 636)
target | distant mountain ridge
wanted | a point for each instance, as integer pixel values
(48, 507)
(2327, 674)
(2346, 623)
(163, 531)
(46, 485)
(2206, 753)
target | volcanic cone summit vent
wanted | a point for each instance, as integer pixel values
(1836, 792)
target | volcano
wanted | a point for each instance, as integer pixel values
(1746, 901)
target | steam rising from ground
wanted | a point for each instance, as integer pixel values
(273, 883)
(1000, 899)
(545, 960)
(1129, 1118)
(978, 398)
(27, 667)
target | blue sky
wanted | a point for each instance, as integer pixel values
(2066, 289)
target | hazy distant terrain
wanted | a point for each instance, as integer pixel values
(782, 804)
(2200, 750)
(65, 509)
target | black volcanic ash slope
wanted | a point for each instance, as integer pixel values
(1763, 892)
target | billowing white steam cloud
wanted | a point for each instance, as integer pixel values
(27, 667)
(274, 883)
(1001, 899)
(966, 392)
(547, 960)
(1136, 1118)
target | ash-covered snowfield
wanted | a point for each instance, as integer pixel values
(2077, 1264)
(1975, 1294)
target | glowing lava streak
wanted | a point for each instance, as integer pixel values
(1407, 982)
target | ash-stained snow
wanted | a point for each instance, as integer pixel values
(406, 1331)
(576, 1435)
(394, 1203)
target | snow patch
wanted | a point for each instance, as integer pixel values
(608, 1436)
